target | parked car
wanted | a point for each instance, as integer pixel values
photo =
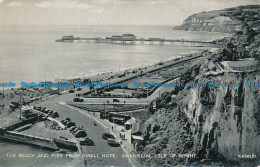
(54, 115)
(64, 122)
(75, 130)
(72, 128)
(70, 124)
(46, 110)
(113, 142)
(65, 138)
(76, 99)
(80, 133)
(42, 109)
(37, 108)
(68, 119)
(87, 141)
(14, 105)
(79, 89)
(71, 91)
(50, 112)
(107, 135)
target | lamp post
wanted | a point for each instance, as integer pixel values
(3, 92)
(147, 93)
(147, 97)
(20, 109)
(20, 102)
(20, 113)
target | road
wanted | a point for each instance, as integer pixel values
(126, 146)
(94, 132)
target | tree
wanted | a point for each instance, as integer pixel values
(239, 32)
(226, 55)
(251, 33)
(230, 45)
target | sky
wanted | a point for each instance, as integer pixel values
(107, 12)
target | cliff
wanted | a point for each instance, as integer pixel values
(221, 125)
(225, 120)
(216, 124)
(227, 20)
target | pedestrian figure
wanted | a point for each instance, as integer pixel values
(112, 128)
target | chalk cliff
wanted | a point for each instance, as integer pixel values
(218, 124)
(227, 20)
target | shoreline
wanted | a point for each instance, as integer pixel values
(123, 69)
(102, 75)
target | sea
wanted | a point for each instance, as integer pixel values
(31, 53)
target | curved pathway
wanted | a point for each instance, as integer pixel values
(126, 147)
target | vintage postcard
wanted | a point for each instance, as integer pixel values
(129, 83)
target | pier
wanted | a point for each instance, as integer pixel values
(131, 39)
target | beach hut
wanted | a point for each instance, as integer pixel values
(118, 118)
(129, 123)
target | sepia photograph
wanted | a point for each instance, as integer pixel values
(129, 83)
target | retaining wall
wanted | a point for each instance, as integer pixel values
(28, 139)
